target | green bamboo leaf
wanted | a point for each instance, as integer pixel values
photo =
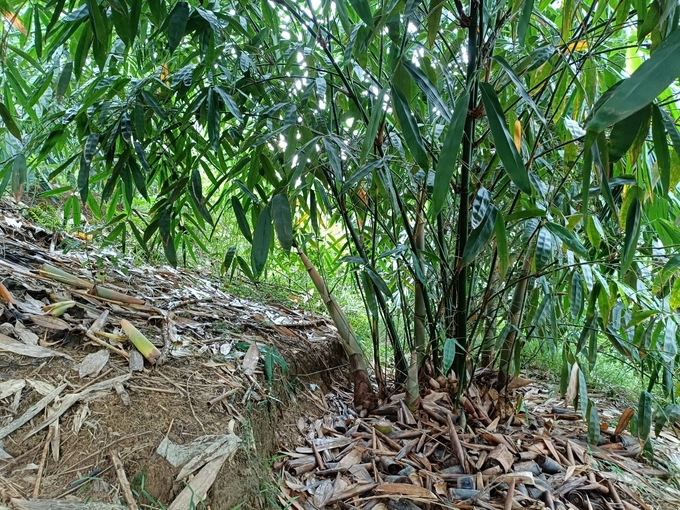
(567, 9)
(544, 247)
(141, 156)
(283, 222)
(165, 230)
(373, 126)
(55, 136)
(128, 188)
(64, 79)
(151, 102)
(411, 8)
(644, 415)
(371, 301)
(672, 131)
(68, 207)
(98, 21)
(229, 103)
(228, 259)
(670, 414)
(434, 17)
(378, 281)
(480, 236)
(82, 51)
(196, 192)
(593, 423)
(90, 148)
(670, 267)
(56, 191)
(363, 9)
(449, 155)
(625, 132)
(564, 370)
(583, 392)
(76, 212)
(670, 342)
(632, 234)
(241, 219)
(523, 22)
(9, 122)
(592, 344)
(360, 174)
(177, 24)
(37, 32)
(663, 156)
(505, 146)
(641, 316)
(519, 86)
(135, 13)
(314, 212)
(213, 120)
(261, 241)
(479, 206)
(409, 128)
(576, 295)
(126, 127)
(245, 268)
(138, 177)
(568, 238)
(449, 352)
(502, 245)
(644, 85)
(121, 21)
(84, 179)
(133, 227)
(58, 8)
(594, 231)
(651, 20)
(333, 159)
(426, 86)
(27, 57)
(542, 310)
(139, 121)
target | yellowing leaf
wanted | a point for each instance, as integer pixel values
(675, 295)
(577, 46)
(518, 135)
(16, 22)
(165, 74)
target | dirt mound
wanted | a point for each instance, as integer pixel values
(228, 366)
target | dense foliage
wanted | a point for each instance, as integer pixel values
(481, 167)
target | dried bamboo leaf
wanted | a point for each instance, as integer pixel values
(33, 351)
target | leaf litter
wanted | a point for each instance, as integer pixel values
(486, 453)
(88, 443)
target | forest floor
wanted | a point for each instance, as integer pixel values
(249, 407)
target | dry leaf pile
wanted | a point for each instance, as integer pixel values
(446, 457)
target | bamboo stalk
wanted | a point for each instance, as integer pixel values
(459, 301)
(364, 396)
